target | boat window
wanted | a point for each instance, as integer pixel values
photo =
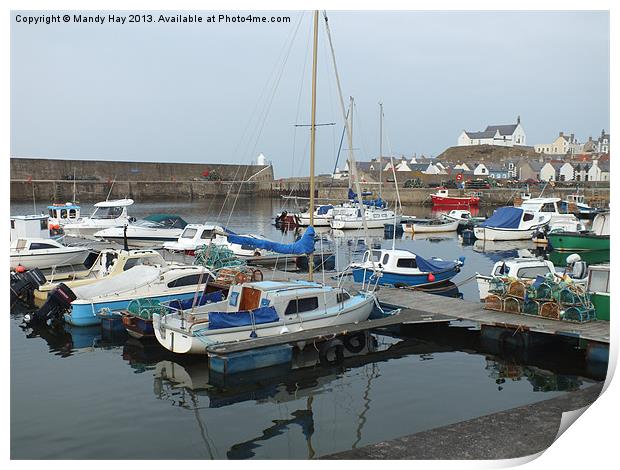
(532, 271)
(548, 207)
(63, 213)
(407, 263)
(527, 216)
(44, 224)
(376, 256)
(342, 297)
(302, 305)
(72, 213)
(41, 246)
(52, 213)
(599, 281)
(207, 235)
(12, 223)
(190, 280)
(386, 258)
(107, 213)
(189, 233)
(130, 263)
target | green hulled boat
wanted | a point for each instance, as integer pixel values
(595, 240)
(598, 288)
(558, 258)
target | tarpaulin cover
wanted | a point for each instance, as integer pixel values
(216, 296)
(372, 202)
(434, 265)
(504, 217)
(303, 246)
(322, 210)
(219, 320)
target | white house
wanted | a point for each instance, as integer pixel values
(563, 144)
(462, 166)
(599, 171)
(567, 172)
(550, 171)
(481, 170)
(507, 135)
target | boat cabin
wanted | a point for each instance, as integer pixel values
(111, 209)
(458, 214)
(542, 204)
(63, 213)
(442, 192)
(523, 268)
(601, 224)
(576, 199)
(29, 226)
(288, 298)
(598, 279)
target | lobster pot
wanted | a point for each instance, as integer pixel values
(579, 314)
(531, 307)
(550, 310)
(567, 297)
(494, 302)
(512, 305)
(497, 286)
(517, 289)
(544, 291)
(144, 308)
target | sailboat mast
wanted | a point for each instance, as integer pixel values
(313, 133)
(380, 150)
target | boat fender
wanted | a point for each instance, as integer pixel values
(431, 277)
(354, 343)
(335, 346)
(20, 269)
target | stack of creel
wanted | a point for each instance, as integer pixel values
(549, 297)
(216, 257)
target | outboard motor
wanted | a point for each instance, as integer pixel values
(57, 303)
(24, 284)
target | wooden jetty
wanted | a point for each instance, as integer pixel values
(419, 307)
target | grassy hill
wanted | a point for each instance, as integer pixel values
(486, 153)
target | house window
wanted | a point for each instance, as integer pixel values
(302, 305)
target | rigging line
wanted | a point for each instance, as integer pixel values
(331, 183)
(266, 114)
(255, 110)
(398, 204)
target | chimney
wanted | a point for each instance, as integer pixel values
(518, 119)
(561, 134)
(572, 137)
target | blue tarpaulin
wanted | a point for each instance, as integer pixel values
(303, 246)
(371, 202)
(216, 296)
(433, 265)
(219, 320)
(504, 217)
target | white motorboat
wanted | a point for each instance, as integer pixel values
(351, 218)
(260, 309)
(61, 214)
(44, 253)
(109, 263)
(156, 283)
(511, 223)
(195, 236)
(151, 231)
(464, 217)
(549, 206)
(107, 214)
(431, 226)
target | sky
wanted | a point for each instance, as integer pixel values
(225, 92)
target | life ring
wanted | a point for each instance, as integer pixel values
(328, 347)
(359, 338)
(256, 274)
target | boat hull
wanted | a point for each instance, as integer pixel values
(140, 242)
(387, 279)
(454, 201)
(494, 234)
(48, 260)
(197, 342)
(574, 241)
(431, 228)
(357, 223)
(600, 300)
(84, 313)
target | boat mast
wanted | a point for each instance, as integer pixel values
(313, 134)
(380, 150)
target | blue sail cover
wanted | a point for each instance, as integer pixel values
(219, 320)
(303, 246)
(216, 296)
(504, 217)
(322, 210)
(372, 202)
(434, 265)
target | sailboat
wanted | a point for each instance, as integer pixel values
(266, 308)
(375, 213)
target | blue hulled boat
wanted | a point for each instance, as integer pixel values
(403, 267)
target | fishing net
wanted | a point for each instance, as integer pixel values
(216, 257)
(550, 310)
(579, 314)
(531, 307)
(494, 302)
(517, 289)
(145, 308)
(512, 305)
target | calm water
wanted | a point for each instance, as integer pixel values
(85, 393)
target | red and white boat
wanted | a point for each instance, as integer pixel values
(441, 198)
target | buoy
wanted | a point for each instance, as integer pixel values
(56, 226)
(431, 277)
(20, 269)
